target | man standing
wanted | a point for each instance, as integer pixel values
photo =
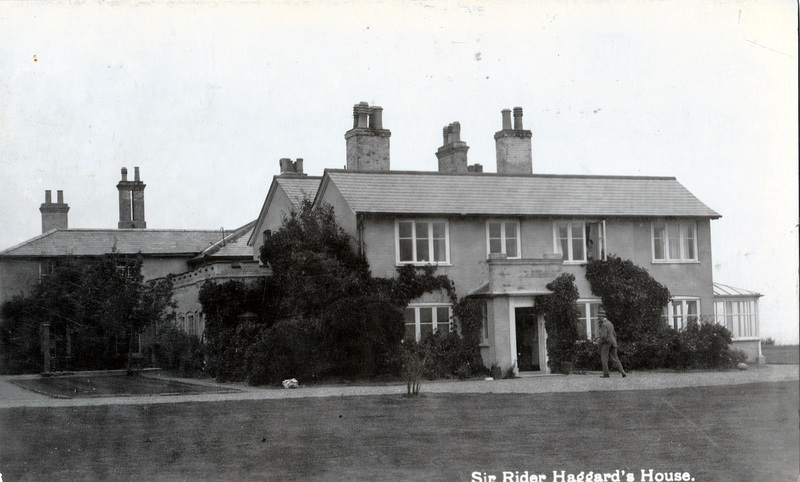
(608, 344)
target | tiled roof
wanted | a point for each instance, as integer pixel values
(398, 192)
(729, 291)
(234, 244)
(95, 242)
(298, 187)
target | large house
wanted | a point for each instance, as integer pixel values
(191, 256)
(502, 237)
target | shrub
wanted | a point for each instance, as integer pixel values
(361, 336)
(561, 321)
(288, 349)
(449, 355)
(632, 298)
(176, 350)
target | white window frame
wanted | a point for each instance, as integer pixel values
(569, 257)
(683, 238)
(679, 321)
(742, 323)
(430, 222)
(590, 320)
(434, 317)
(503, 237)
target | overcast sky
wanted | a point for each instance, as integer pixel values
(206, 97)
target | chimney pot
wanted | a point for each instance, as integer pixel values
(376, 118)
(286, 165)
(124, 174)
(506, 119)
(136, 174)
(363, 115)
(48, 199)
(517, 118)
(60, 197)
(298, 165)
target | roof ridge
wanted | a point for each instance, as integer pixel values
(499, 174)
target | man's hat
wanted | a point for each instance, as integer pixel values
(601, 312)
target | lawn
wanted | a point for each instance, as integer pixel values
(110, 385)
(781, 354)
(738, 433)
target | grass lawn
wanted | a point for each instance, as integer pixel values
(109, 385)
(781, 354)
(730, 433)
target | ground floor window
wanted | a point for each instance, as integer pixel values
(588, 323)
(740, 317)
(681, 311)
(422, 320)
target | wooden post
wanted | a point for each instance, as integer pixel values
(46, 347)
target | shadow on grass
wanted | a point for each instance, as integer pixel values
(77, 386)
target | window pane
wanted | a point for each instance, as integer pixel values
(583, 327)
(674, 241)
(443, 319)
(659, 242)
(423, 249)
(406, 250)
(411, 324)
(405, 229)
(495, 230)
(692, 310)
(495, 246)
(439, 242)
(511, 247)
(425, 322)
(688, 242)
(439, 250)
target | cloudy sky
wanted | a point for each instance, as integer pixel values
(206, 97)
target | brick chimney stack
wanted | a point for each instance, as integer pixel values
(367, 141)
(453, 153)
(54, 215)
(131, 201)
(513, 146)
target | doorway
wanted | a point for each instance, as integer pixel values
(527, 331)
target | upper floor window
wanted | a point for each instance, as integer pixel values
(674, 241)
(503, 238)
(681, 311)
(423, 241)
(579, 241)
(421, 321)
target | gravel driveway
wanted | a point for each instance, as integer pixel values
(14, 396)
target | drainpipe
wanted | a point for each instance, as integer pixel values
(360, 233)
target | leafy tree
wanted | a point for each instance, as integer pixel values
(96, 309)
(632, 298)
(320, 313)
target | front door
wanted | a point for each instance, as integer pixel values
(527, 331)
